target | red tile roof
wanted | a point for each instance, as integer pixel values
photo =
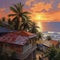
(19, 38)
(49, 43)
(54, 42)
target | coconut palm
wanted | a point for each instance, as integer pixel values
(34, 28)
(3, 19)
(39, 35)
(4, 22)
(18, 14)
(11, 24)
(26, 24)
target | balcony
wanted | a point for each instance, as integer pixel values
(26, 52)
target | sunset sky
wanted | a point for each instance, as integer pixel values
(45, 12)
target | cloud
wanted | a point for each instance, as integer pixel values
(2, 12)
(58, 5)
(53, 16)
(28, 2)
(2, 9)
(41, 6)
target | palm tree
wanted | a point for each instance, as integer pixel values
(0, 23)
(39, 35)
(9, 21)
(3, 19)
(26, 25)
(34, 28)
(4, 22)
(11, 24)
(18, 14)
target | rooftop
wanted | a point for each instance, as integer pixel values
(49, 43)
(19, 38)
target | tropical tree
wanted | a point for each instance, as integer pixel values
(48, 38)
(18, 14)
(9, 21)
(11, 24)
(4, 22)
(51, 53)
(34, 28)
(26, 25)
(40, 35)
(0, 23)
(57, 57)
(3, 19)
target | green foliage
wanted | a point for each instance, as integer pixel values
(34, 28)
(53, 53)
(48, 38)
(57, 57)
(39, 34)
(18, 15)
(21, 20)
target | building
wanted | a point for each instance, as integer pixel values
(23, 43)
(44, 45)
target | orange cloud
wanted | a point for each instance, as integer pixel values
(2, 12)
(41, 6)
(58, 5)
(53, 16)
(48, 6)
(28, 3)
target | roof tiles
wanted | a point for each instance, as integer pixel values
(19, 38)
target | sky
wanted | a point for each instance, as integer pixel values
(45, 12)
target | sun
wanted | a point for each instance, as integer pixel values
(37, 17)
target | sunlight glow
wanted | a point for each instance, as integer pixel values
(40, 26)
(38, 17)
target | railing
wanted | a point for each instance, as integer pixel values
(26, 53)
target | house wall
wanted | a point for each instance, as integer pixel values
(32, 56)
(10, 48)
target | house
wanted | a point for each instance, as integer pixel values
(21, 42)
(44, 45)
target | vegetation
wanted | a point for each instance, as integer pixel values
(34, 28)
(53, 53)
(18, 14)
(20, 21)
(48, 38)
(39, 35)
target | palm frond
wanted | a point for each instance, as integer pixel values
(14, 19)
(13, 9)
(24, 13)
(12, 15)
(17, 7)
